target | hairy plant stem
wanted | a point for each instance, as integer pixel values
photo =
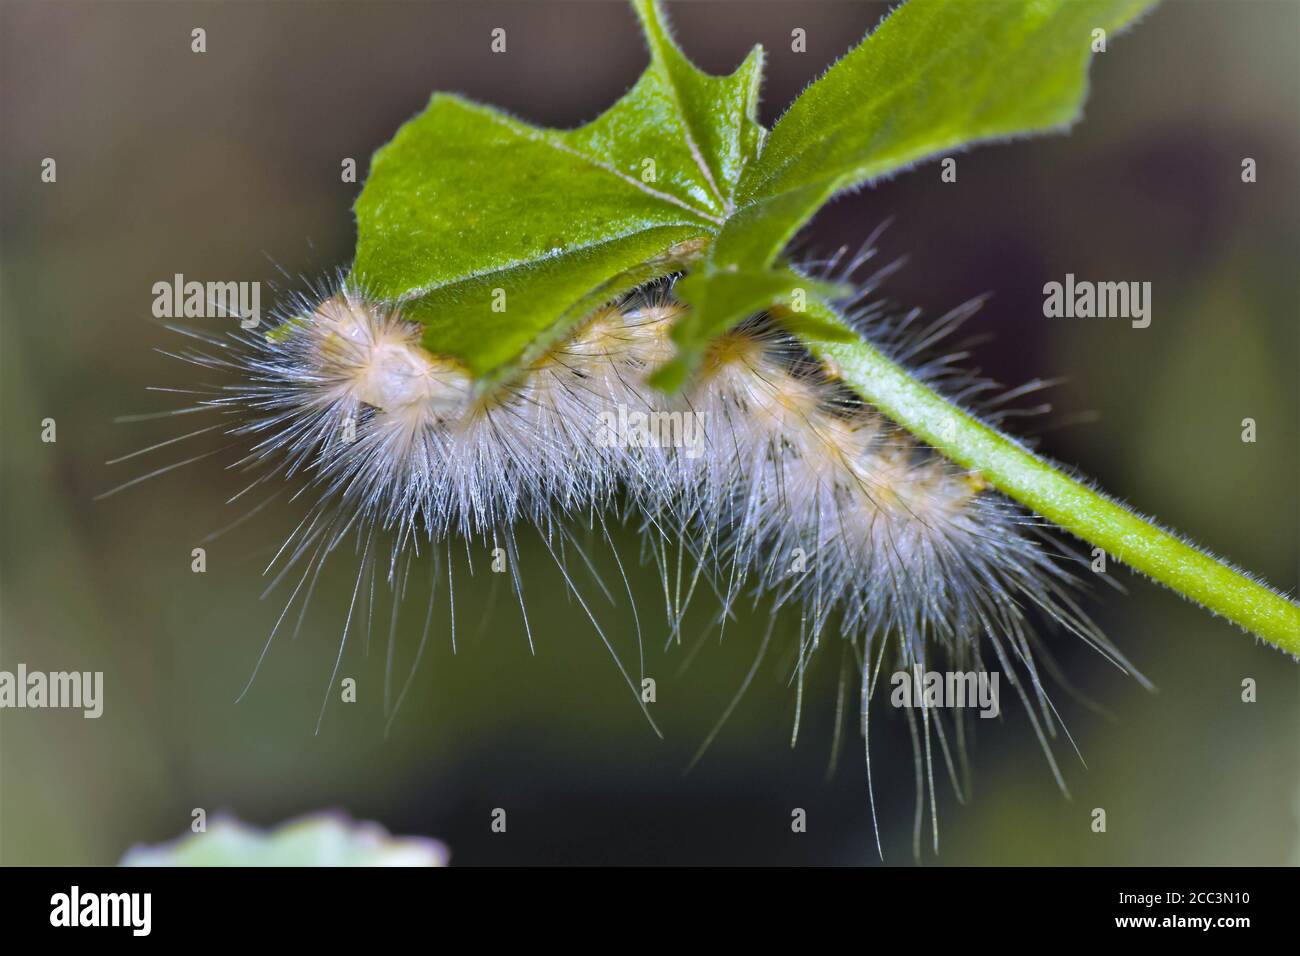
(1046, 489)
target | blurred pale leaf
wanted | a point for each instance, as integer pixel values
(317, 840)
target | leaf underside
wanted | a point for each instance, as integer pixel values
(498, 236)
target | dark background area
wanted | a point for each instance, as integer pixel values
(226, 165)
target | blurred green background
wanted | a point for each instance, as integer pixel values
(226, 166)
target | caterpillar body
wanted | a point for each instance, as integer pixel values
(775, 479)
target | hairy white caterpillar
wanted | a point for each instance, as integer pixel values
(774, 478)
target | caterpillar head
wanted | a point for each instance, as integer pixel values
(376, 358)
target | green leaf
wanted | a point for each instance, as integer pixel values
(936, 75)
(497, 236)
(719, 300)
(757, 233)
(717, 116)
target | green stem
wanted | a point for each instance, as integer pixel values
(1044, 488)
